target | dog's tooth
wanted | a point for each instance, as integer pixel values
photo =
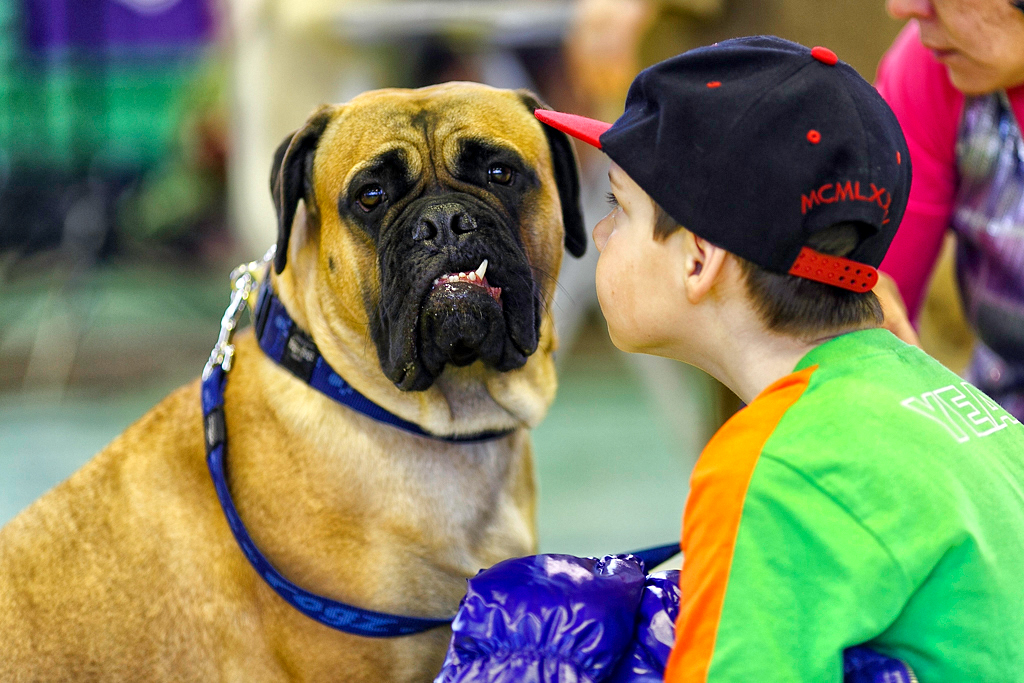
(482, 269)
(473, 277)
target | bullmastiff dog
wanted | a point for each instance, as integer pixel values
(420, 235)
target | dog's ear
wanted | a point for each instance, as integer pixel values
(291, 177)
(567, 176)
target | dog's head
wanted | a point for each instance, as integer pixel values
(440, 215)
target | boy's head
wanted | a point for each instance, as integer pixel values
(782, 156)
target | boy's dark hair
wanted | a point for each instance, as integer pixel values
(796, 306)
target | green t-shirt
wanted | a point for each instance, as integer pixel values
(870, 497)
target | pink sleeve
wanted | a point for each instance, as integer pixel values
(1016, 96)
(928, 108)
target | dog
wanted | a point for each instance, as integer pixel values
(420, 235)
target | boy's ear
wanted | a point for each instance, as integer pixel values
(703, 264)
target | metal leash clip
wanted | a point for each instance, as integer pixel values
(243, 281)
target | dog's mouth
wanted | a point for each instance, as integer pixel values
(461, 320)
(474, 278)
(456, 288)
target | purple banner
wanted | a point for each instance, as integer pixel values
(102, 25)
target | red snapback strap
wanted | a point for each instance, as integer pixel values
(834, 270)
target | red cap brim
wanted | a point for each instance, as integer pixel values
(580, 127)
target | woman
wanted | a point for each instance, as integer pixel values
(955, 78)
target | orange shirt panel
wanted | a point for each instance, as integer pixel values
(718, 487)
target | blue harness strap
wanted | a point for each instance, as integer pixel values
(652, 557)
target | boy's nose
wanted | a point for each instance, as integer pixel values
(601, 232)
(910, 9)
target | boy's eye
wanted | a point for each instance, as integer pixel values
(612, 200)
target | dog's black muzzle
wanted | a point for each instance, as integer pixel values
(432, 311)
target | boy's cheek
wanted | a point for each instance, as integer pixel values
(614, 308)
(605, 292)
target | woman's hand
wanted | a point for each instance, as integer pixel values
(894, 310)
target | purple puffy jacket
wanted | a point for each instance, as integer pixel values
(566, 619)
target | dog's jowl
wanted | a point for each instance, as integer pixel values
(420, 236)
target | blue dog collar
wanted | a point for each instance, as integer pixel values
(293, 349)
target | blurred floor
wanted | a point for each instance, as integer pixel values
(609, 482)
(41, 443)
(611, 476)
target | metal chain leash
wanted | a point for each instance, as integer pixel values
(244, 279)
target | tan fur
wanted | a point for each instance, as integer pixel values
(128, 571)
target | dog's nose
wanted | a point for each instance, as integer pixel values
(444, 223)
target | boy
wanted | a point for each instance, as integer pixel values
(865, 494)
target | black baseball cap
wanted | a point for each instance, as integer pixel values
(757, 143)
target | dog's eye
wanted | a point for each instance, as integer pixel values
(501, 174)
(370, 196)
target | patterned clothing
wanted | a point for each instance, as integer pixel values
(989, 222)
(872, 496)
(968, 158)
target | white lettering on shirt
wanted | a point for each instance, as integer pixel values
(964, 411)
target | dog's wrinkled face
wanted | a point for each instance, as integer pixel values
(442, 212)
